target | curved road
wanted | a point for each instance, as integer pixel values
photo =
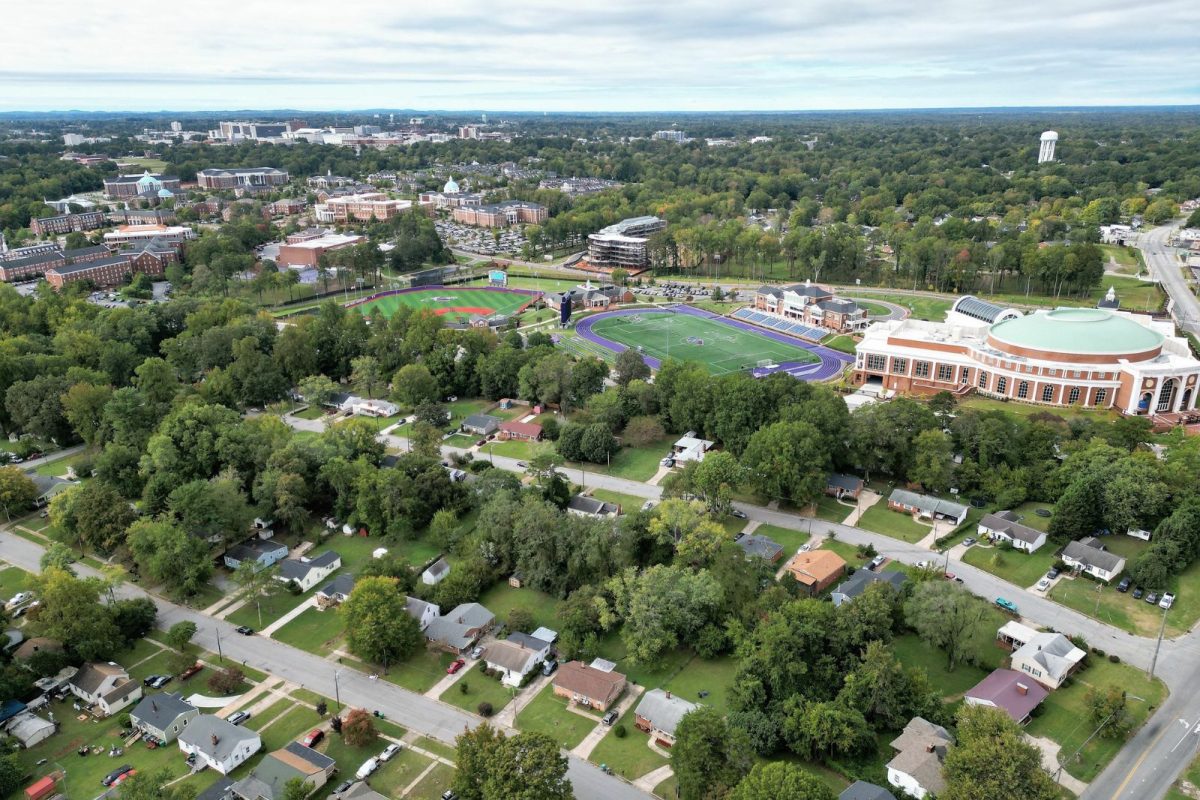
(1165, 267)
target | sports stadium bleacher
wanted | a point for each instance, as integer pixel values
(810, 333)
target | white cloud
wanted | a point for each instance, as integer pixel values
(588, 55)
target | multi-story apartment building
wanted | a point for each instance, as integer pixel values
(216, 178)
(623, 245)
(362, 207)
(37, 248)
(499, 215)
(35, 266)
(127, 187)
(670, 136)
(103, 272)
(133, 234)
(67, 223)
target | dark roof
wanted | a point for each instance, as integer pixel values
(343, 584)
(294, 569)
(218, 791)
(160, 710)
(1088, 551)
(857, 583)
(861, 790)
(759, 546)
(590, 505)
(86, 265)
(981, 310)
(850, 483)
(80, 252)
(92, 675)
(253, 549)
(838, 306)
(29, 261)
(525, 640)
(1006, 522)
(1014, 692)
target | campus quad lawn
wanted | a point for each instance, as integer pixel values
(314, 631)
(548, 714)
(1064, 715)
(913, 652)
(880, 519)
(1028, 409)
(786, 538)
(480, 689)
(630, 757)
(627, 502)
(432, 785)
(725, 348)
(1014, 566)
(501, 599)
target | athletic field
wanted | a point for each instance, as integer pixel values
(458, 301)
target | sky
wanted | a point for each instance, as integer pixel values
(596, 55)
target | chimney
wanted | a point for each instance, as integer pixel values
(1022, 689)
(154, 705)
(214, 740)
(668, 695)
(931, 747)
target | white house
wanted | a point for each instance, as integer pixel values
(1088, 555)
(436, 572)
(424, 613)
(1048, 658)
(516, 657)
(308, 572)
(917, 766)
(219, 744)
(1004, 526)
(105, 685)
(335, 592)
(690, 448)
(374, 408)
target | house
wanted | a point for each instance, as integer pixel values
(218, 743)
(583, 506)
(517, 579)
(515, 657)
(857, 583)
(1005, 526)
(29, 729)
(1088, 555)
(374, 408)
(424, 613)
(459, 630)
(221, 790)
(917, 766)
(481, 424)
(839, 486)
(816, 570)
(38, 644)
(294, 760)
(335, 592)
(522, 430)
(589, 686)
(436, 572)
(924, 505)
(659, 713)
(48, 487)
(308, 572)
(759, 547)
(1010, 691)
(263, 552)
(690, 448)
(162, 716)
(1014, 634)
(545, 634)
(360, 791)
(1048, 658)
(106, 686)
(861, 790)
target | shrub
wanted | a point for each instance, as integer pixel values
(619, 731)
(485, 709)
(124, 721)
(462, 687)
(358, 729)
(519, 619)
(1098, 652)
(1114, 658)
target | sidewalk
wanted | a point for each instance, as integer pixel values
(651, 779)
(508, 714)
(288, 617)
(585, 748)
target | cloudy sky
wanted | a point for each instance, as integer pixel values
(602, 55)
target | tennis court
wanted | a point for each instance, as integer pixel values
(467, 301)
(709, 340)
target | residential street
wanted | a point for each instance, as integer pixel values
(1166, 268)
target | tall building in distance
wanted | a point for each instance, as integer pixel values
(623, 245)
(1046, 151)
(670, 136)
(216, 178)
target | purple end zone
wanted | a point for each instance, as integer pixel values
(830, 365)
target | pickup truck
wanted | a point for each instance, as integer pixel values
(1006, 605)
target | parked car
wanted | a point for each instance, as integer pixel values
(455, 666)
(1138, 592)
(1152, 598)
(342, 787)
(667, 462)
(922, 564)
(111, 778)
(1043, 584)
(970, 541)
(367, 769)
(522, 465)
(314, 737)
(1124, 585)
(609, 718)
(238, 717)
(646, 506)
(449, 795)
(390, 751)
(1007, 605)
(122, 778)
(190, 671)
(158, 681)
(1167, 600)
(477, 653)
(245, 630)
(738, 514)
(548, 667)
(1053, 573)
(18, 598)
(876, 563)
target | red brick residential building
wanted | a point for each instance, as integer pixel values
(499, 215)
(216, 178)
(35, 266)
(308, 252)
(68, 223)
(102, 272)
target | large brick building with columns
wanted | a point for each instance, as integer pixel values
(1088, 357)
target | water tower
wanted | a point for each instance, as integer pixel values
(1046, 152)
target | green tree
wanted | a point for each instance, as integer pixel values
(93, 515)
(824, 729)
(17, 491)
(366, 374)
(945, 615)
(716, 478)
(167, 554)
(932, 461)
(146, 785)
(476, 750)
(993, 761)
(788, 460)
(83, 404)
(709, 757)
(12, 775)
(295, 789)
(317, 390)
(887, 694)
(414, 384)
(643, 430)
(1108, 711)
(779, 780)
(214, 509)
(378, 629)
(630, 366)
(71, 612)
(58, 555)
(180, 634)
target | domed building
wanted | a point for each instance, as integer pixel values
(451, 186)
(1093, 357)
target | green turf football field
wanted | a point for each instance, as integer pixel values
(453, 301)
(724, 349)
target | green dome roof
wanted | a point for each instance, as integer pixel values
(1077, 330)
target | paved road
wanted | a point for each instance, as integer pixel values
(1165, 267)
(405, 708)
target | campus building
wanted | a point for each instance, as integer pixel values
(623, 245)
(216, 178)
(68, 223)
(361, 207)
(37, 265)
(500, 215)
(307, 251)
(811, 305)
(135, 234)
(148, 184)
(1087, 357)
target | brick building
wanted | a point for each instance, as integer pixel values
(68, 223)
(131, 234)
(361, 207)
(147, 184)
(35, 266)
(499, 215)
(308, 252)
(216, 178)
(102, 272)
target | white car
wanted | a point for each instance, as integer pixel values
(922, 564)
(1043, 584)
(18, 598)
(367, 769)
(1167, 600)
(390, 751)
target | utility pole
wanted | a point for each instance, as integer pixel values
(337, 694)
(1157, 645)
(217, 631)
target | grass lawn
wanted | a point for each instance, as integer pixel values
(515, 448)
(310, 412)
(272, 607)
(843, 343)
(913, 652)
(829, 509)
(259, 720)
(1192, 776)
(1029, 515)
(930, 308)
(461, 409)
(639, 463)
(627, 502)
(668, 788)
(848, 552)
(13, 580)
(501, 599)
(1064, 715)
(1028, 409)
(548, 714)
(155, 665)
(629, 757)
(480, 689)
(1014, 566)
(1121, 610)
(289, 726)
(314, 631)
(880, 519)
(714, 676)
(434, 746)
(649, 675)
(461, 441)
(432, 785)
(787, 538)
(420, 672)
(59, 466)
(393, 777)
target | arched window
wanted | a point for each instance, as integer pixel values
(1022, 390)
(1047, 394)
(1073, 396)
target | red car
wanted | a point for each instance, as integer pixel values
(314, 736)
(455, 666)
(124, 777)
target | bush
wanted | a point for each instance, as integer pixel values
(485, 709)
(226, 681)
(462, 687)
(124, 721)
(1098, 652)
(619, 731)
(550, 428)
(520, 619)
(1114, 658)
